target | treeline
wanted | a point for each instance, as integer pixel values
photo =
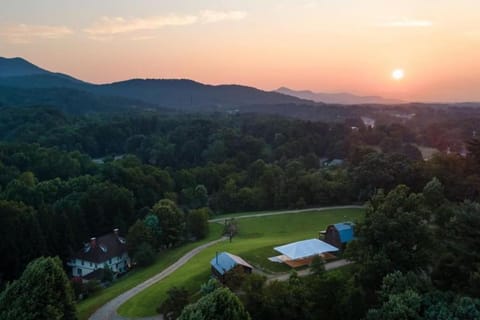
(415, 257)
(52, 190)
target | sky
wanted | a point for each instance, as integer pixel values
(320, 45)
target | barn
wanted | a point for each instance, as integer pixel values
(302, 253)
(339, 234)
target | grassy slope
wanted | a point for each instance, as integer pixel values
(255, 243)
(86, 307)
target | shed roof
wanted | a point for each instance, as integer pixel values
(345, 231)
(305, 248)
(225, 262)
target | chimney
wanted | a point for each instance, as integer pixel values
(115, 231)
(93, 242)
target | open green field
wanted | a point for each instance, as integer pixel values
(86, 307)
(255, 242)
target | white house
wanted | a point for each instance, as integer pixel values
(109, 251)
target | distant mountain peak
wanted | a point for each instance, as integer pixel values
(15, 67)
(338, 98)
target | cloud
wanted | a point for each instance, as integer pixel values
(211, 16)
(24, 33)
(116, 25)
(108, 26)
(310, 5)
(407, 23)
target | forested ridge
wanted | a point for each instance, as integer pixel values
(65, 178)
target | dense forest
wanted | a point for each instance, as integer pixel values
(65, 178)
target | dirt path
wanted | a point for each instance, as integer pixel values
(109, 310)
(274, 213)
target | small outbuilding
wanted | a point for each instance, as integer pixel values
(339, 234)
(226, 262)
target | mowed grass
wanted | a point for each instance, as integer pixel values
(88, 306)
(255, 242)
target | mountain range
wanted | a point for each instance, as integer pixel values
(337, 98)
(29, 81)
(23, 83)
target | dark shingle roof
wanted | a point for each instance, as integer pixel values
(106, 247)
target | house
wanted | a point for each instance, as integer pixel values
(107, 251)
(301, 253)
(339, 234)
(225, 262)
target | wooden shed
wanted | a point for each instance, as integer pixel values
(226, 262)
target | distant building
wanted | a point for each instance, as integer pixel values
(368, 122)
(339, 234)
(226, 262)
(331, 163)
(108, 251)
(335, 163)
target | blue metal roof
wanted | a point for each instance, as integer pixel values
(345, 231)
(225, 262)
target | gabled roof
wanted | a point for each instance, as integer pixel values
(225, 262)
(345, 231)
(106, 247)
(305, 248)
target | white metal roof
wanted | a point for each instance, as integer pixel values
(305, 248)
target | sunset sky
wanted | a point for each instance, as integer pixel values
(324, 45)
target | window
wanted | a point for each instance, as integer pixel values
(79, 272)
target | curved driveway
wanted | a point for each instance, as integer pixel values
(109, 310)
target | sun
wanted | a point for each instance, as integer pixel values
(398, 74)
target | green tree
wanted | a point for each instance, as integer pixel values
(172, 222)
(394, 236)
(144, 255)
(152, 222)
(457, 268)
(434, 193)
(22, 238)
(211, 285)
(221, 304)
(177, 299)
(197, 223)
(42, 292)
(138, 234)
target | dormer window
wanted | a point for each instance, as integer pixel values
(104, 249)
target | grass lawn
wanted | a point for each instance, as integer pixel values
(86, 307)
(254, 243)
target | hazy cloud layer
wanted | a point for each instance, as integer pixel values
(24, 33)
(407, 23)
(108, 26)
(210, 16)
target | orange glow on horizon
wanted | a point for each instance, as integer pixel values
(316, 45)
